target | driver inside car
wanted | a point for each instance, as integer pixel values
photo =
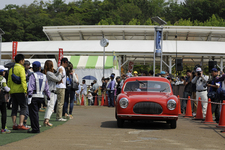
(135, 87)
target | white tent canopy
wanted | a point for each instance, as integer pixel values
(93, 66)
(120, 47)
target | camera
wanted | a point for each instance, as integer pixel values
(199, 73)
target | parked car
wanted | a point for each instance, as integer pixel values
(147, 98)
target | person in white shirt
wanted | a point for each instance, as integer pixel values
(60, 90)
(84, 91)
(201, 89)
(90, 98)
(77, 94)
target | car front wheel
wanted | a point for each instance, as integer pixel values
(120, 122)
(173, 124)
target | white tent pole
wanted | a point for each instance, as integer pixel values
(104, 62)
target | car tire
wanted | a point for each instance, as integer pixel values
(173, 124)
(120, 122)
(115, 114)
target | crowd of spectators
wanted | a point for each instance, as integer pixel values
(29, 87)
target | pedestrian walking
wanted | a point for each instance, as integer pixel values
(3, 89)
(213, 86)
(52, 78)
(111, 88)
(60, 90)
(187, 90)
(70, 92)
(37, 88)
(18, 89)
(201, 89)
(84, 91)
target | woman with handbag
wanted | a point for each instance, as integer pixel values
(53, 79)
(71, 86)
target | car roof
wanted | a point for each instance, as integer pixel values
(147, 78)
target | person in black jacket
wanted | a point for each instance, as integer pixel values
(118, 87)
(213, 86)
(187, 90)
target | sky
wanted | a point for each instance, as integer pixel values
(28, 2)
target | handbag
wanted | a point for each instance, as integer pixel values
(16, 79)
(74, 85)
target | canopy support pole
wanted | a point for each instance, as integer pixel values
(120, 65)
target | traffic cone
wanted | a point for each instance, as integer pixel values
(106, 100)
(209, 117)
(96, 103)
(222, 117)
(179, 108)
(188, 109)
(82, 101)
(102, 103)
(199, 115)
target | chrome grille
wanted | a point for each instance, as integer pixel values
(147, 108)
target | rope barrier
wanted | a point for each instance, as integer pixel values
(202, 101)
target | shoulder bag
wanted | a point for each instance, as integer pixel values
(16, 79)
(74, 85)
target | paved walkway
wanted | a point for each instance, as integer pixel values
(94, 128)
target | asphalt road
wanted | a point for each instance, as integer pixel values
(94, 128)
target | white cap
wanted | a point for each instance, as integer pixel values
(198, 69)
(3, 68)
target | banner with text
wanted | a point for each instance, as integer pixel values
(60, 56)
(14, 49)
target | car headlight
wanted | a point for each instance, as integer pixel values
(124, 102)
(171, 104)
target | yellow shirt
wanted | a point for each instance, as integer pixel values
(19, 70)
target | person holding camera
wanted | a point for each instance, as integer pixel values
(213, 86)
(201, 88)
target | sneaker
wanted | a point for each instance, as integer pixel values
(61, 119)
(15, 127)
(22, 127)
(194, 114)
(41, 110)
(3, 131)
(25, 125)
(70, 116)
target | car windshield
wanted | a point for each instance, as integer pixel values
(147, 86)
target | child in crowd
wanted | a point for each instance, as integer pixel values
(90, 98)
(3, 89)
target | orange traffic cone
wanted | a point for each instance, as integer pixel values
(179, 108)
(106, 100)
(209, 117)
(102, 103)
(96, 103)
(222, 117)
(188, 109)
(199, 115)
(82, 100)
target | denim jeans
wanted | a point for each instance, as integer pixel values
(184, 102)
(111, 99)
(69, 98)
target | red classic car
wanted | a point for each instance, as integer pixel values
(147, 98)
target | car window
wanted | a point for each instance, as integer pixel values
(147, 86)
